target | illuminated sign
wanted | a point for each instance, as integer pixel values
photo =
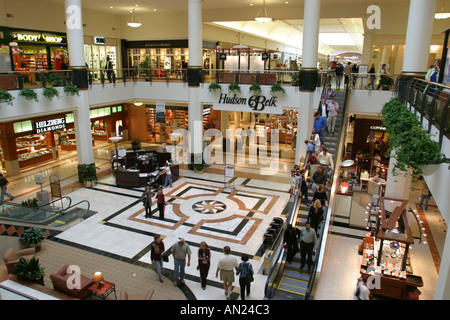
(38, 37)
(49, 125)
(99, 40)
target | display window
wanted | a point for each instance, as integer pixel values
(29, 58)
(95, 57)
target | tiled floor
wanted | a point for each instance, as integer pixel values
(118, 234)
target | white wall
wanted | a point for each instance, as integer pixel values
(368, 102)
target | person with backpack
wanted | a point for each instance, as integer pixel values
(245, 273)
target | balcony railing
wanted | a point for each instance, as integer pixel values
(17, 80)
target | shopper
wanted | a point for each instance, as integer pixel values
(294, 140)
(371, 72)
(315, 215)
(332, 108)
(147, 201)
(168, 173)
(347, 72)
(204, 262)
(321, 195)
(425, 197)
(339, 71)
(319, 177)
(179, 251)
(383, 74)
(245, 272)
(315, 138)
(328, 94)
(109, 69)
(226, 265)
(3, 185)
(160, 202)
(326, 160)
(362, 291)
(309, 148)
(291, 235)
(303, 186)
(319, 125)
(157, 255)
(322, 109)
(308, 242)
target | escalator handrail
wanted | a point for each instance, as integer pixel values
(76, 204)
(59, 199)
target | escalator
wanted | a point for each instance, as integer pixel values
(46, 215)
(288, 281)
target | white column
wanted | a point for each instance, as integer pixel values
(397, 187)
(309, 62)
(75, 45)
(82, 123)
(418, 35)
(442, 291)
(74, 31)
(195, 62)
(367, 48)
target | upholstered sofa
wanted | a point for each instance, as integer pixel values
(10, 257)
(60, 279)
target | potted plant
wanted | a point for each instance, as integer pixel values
(30, 270)
(54, 79)
(214, 88)
(199, 168)
(88, 174)
(386, 82)
(276, 88)
(413, 147)
(71, 89)
(6, 97)
(33, 237)
(29, 94)
(255, 88)
(136, 144)
(234, 88)
(49, 92)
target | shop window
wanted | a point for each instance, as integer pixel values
(23, 126)
(69, 118)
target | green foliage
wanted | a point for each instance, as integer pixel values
(387, 81)
(30, 202)
(30, 269)
(54, 78)
(255, 88)
(234, 87)
(6, 97)
(71, 89)
(32, 236)
(276, 88)
(213, 87)
(412, 144)
(88, 172)
(29, 94)
(136, 144)
(49, 92)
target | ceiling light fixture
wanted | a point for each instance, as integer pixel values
(264, 17)
(134, 22)
(442, 14)
(138, 103)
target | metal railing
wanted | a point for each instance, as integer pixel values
(430, 101)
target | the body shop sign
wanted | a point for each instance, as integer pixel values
(49, 125)
(38, 37)
(247, 103)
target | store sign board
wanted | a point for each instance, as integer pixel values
(99, 40)
(38, 37)
(160, 112)
(49, 125)
(245, 103)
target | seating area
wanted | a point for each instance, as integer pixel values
(10, 257)
(61, 281)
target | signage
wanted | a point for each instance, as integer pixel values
(160, 112)
(254, 103)
(222, 56)
(38, 37)
(167, 63)
(265, 56)
(49, 125)
(99, 40)
(39, 178)
(229, 170)
(378, 128)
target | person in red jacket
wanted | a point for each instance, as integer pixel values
(161, 202)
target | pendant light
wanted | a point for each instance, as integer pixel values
(134, 22)
(264, 17)
(442, 14)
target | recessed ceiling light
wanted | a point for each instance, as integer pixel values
(286, 2)
(154, 9)
(111, 7)
(137, 5)
(251, 4)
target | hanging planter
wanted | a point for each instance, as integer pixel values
(6, 97)
(50, 92)
(234, 88)
(29, 94)
(255, 88)
(71, 90)
(214, 88)
(277, 89)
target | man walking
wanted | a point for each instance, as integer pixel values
(179, 251)
(319, 125)
(308, 241)
(3, 185)
(332, 108)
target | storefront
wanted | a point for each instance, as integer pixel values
(37, 50)
(97, 49)
(169, 55)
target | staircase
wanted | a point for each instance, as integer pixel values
(294, 282)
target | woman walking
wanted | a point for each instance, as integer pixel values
(315, 215)
(157, 255)
(147, 201)
(161, 202)
(204, 262)
(245, 272)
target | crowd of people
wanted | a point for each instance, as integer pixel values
(350, 71)
(227, 265)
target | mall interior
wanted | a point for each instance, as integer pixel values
(97, 98)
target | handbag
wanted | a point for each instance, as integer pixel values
(249, 277)
(166, 258)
